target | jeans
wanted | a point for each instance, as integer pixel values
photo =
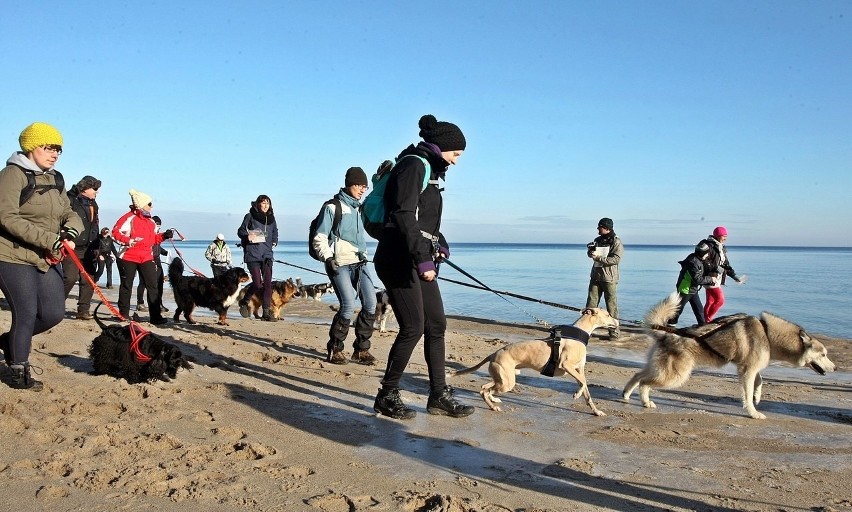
(352, 280)
(261, 281)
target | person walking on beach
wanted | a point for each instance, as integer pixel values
(158, 252)
(606, 252)
(258, 236)
(106, 255)
(35, 218)
(718, 260)
(137, 234)
(83, 201)
(410, 246)
(343, 248)
(694, 273)
(219, 255)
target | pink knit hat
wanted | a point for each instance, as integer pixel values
(720, 232)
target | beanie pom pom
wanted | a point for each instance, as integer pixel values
(427, 122)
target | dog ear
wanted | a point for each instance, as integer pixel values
(588, 311)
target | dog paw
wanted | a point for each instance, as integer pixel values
(599, 413)
(757, 415)
(650, 405)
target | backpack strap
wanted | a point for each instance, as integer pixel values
(31, 187)
(338, 215)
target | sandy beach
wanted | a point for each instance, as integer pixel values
(263, 423)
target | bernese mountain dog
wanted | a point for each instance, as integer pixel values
(216, 293)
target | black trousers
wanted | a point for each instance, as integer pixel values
(148, 273)
(419, 310)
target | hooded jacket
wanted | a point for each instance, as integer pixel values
(349, 244)
(135, 225)
(718, 261)
(88, 239)
(412, 213)
(28, 231)
(693, 275)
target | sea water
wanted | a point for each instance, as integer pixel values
(807, 285)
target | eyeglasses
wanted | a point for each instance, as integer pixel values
(52, 148)
(363, 187)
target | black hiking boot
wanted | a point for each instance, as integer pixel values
(389, 403)
(444, 404)
(22, 378)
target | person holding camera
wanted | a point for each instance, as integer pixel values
(606, 252)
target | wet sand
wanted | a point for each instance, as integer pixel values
(263, 423)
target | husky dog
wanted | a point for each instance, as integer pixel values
(504, 363)
(746, 341)
(316, 291)
(384, 311)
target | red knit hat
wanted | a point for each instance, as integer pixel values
(719, 232)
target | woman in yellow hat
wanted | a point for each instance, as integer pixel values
(35, 218)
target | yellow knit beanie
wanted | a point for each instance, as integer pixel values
(139, 199)
(39, 134)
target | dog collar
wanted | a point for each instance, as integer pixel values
(573, 333)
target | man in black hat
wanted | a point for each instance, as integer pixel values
(83, 197)
(606, 252)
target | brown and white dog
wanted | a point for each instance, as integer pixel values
(282, 292)
(535, 354)
(384, 311)
(746, 341)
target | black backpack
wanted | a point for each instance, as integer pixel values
(31, 188)
(335, 224)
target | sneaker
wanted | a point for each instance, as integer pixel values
(159, 321)
(84, 315)
(614, 335)
(389, 403)
(445, 405)
(337, 357)
(363, 357)
(141, 307)
(244, 310)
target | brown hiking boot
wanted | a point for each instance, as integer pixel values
(337, 357)
(84, 315)
(363, 357)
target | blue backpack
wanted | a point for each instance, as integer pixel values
(373, 209)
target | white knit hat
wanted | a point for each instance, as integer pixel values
(139, 199)
(220, 236)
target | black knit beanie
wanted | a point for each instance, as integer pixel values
(605, 222)
(356, 176)
(446, 136)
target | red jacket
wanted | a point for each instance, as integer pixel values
(135, 226)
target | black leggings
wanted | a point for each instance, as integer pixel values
(419, 310)
(37, 301)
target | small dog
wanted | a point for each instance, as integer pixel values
(216, 293)
(111, 355)
(504, 363)
(384, 311)
(316, 291)
(746, 341)
(282, 292)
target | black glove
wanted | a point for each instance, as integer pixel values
(330, 267)
(69, 235)
(168, 234)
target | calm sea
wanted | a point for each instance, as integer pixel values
(808, 285)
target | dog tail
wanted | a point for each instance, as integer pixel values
(663, 310)
(175, 271)
(100, 322)
(472, 368)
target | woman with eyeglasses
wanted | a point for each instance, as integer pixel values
(342, 245)
(35, 218)
(136, 233)
(258, 236)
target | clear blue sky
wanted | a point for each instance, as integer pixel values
(670, 117)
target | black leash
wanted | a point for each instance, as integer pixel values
(297, 266)
(499, 294)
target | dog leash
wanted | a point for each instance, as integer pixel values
(180, 254)
(462, 271)
(137, 332)
(297, 266)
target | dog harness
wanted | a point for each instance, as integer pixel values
(555, 341)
